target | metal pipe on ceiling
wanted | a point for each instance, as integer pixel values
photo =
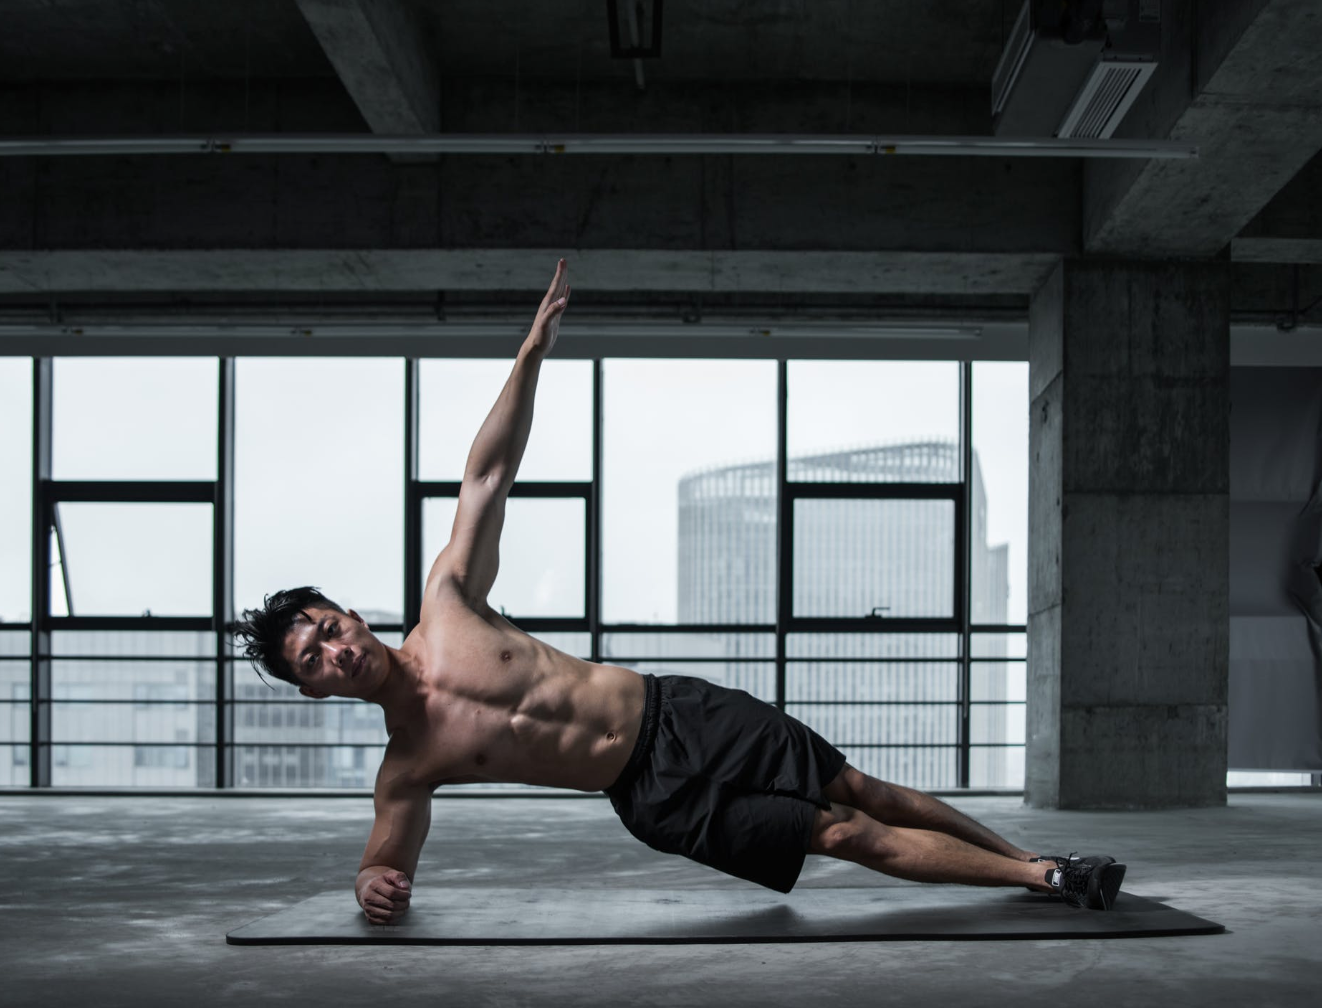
(593, 143)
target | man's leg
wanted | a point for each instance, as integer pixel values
(895, 805)
(917, 854)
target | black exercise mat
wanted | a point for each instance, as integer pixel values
(450, 915)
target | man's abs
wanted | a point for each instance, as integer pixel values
(504, 707)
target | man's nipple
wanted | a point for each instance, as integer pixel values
(506, 655)
(480, 760)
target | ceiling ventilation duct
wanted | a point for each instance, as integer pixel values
(1072, 68)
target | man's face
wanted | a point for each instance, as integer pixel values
(335, 654)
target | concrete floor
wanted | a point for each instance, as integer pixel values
(125, 901)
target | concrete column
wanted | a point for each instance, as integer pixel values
(1128, 559)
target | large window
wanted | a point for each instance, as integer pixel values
(845, 539)
(999, 577)
(457, 395)
(689, 510)
(135, 418)
(15, 490)
(319, 481)
(544, 540)
(874, 421)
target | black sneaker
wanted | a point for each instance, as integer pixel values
(1092, 882)
(1060, 861)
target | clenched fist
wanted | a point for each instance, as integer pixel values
(385, 897)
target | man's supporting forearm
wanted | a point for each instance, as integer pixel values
(499, 445)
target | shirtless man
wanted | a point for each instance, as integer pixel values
(690, 767)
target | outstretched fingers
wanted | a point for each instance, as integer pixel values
(558, 284)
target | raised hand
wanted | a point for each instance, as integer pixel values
(546, 327)
(385, 897)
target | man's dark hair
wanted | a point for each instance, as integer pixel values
(262, 631)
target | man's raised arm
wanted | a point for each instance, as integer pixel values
(472, 557)
(498, 447)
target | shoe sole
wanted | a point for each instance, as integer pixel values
(1104, 886)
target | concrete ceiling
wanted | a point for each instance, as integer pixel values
(1241, 78)
(893, 41)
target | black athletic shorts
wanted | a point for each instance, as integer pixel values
(724, 779)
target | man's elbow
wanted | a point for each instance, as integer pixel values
(494, 478)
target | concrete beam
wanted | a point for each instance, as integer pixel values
(690, 202)
(1276, 250)
(1248, 91)
(365, 269)
(380, 51)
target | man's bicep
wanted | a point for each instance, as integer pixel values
(472, 557)
(403, 818)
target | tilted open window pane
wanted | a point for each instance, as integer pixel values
(689, 491)
(455, 397)
(132, 560)
(858, 557)
(319, 478)
(15, 489)
(873, 421)
(542, 553)
(134, 418)
(1000, 492)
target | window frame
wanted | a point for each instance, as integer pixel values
(47, 493)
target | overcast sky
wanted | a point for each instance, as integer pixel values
(320, 461)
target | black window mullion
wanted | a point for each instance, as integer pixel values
(784, 532)
(222, 565)
(412, 498)
(520, 488)
(594, 544)
(131, 491)
(964, 569)
(205, 624)
(39, 689)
